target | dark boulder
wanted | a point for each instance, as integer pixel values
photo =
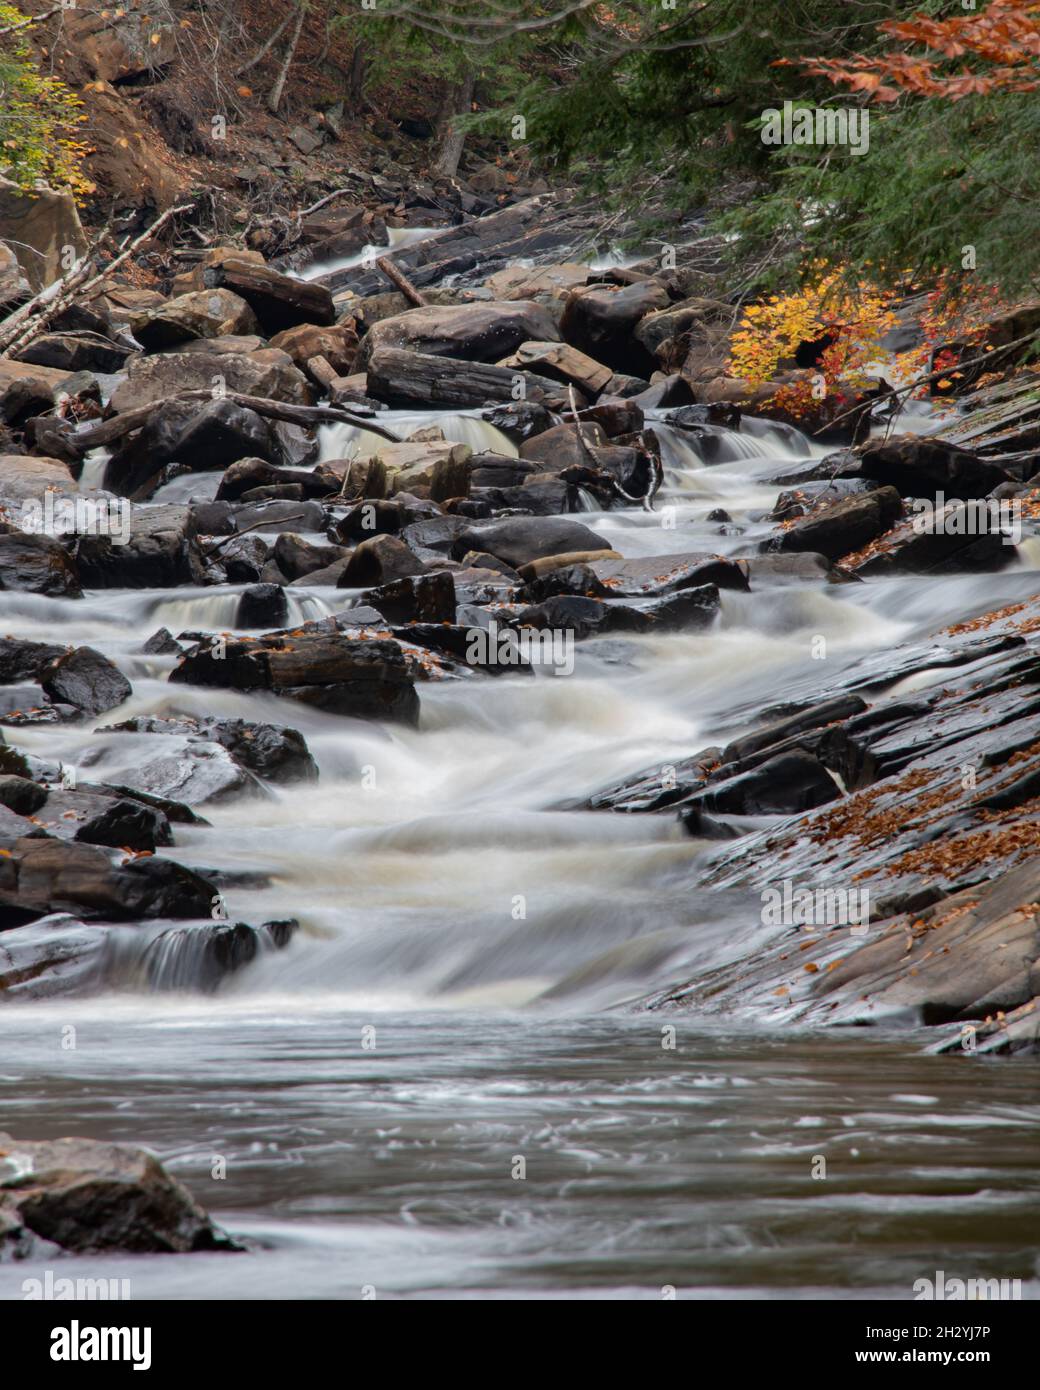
(842, 527)
(42, 875)
(89, 1197)
(520, 540)
(85, 679)
(37, 565)
(262, 606)
(601, 321)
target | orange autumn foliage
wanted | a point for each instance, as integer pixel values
(996, 49)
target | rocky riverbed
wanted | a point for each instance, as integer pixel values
(492, 651)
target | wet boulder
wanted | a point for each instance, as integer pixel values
(209, 759)
(842, 527)
(425, 599)
(88, 1197)
(245, 475)
(961, 537)
(519, 420)
(55, 956)
(21, 795)
(379, 560)
(262, 606)
(917, 466)
(482, 332)
(37, 565)
(519, 540)
(86, 680)
(383, 516)
(782, 785)
(665, 574)
(21, 660)
(319, 666)
(96, 819)
(41, 875)
(158, 549)
(601, 321)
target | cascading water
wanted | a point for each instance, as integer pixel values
(450, 999)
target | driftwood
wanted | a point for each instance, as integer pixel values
(398, 278)
(307, 415)
(400, 377)
(27, 323)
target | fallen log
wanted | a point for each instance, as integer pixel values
(400, 377)
(107, 431)
(397, 277)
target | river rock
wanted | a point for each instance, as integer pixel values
(297, 558)
(96, 819)
(425, 599)
(272, 752)
(75, 352)
(161, 551)
(401, 377)
(89, 1197)
(379, 560)
(278, 301)
(338, 344)
(470, 332)
(960, 537)
(25, 478)
(200, 314)
(666, 574)
(843, 526)
(248, 474)
(789, 782)
(268, 373)
(43, 875)
(55, 956)
(21, 795)
(564, 363)
(320, 667)
(917, 466)
(519, 420)
(601, 320)
(522, 539)
(37, 565)
(85, 679)
(262, 606)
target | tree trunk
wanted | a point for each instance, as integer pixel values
(452, 138)
(275, 99)
(358, 75)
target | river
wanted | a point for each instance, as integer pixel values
(492, 941)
